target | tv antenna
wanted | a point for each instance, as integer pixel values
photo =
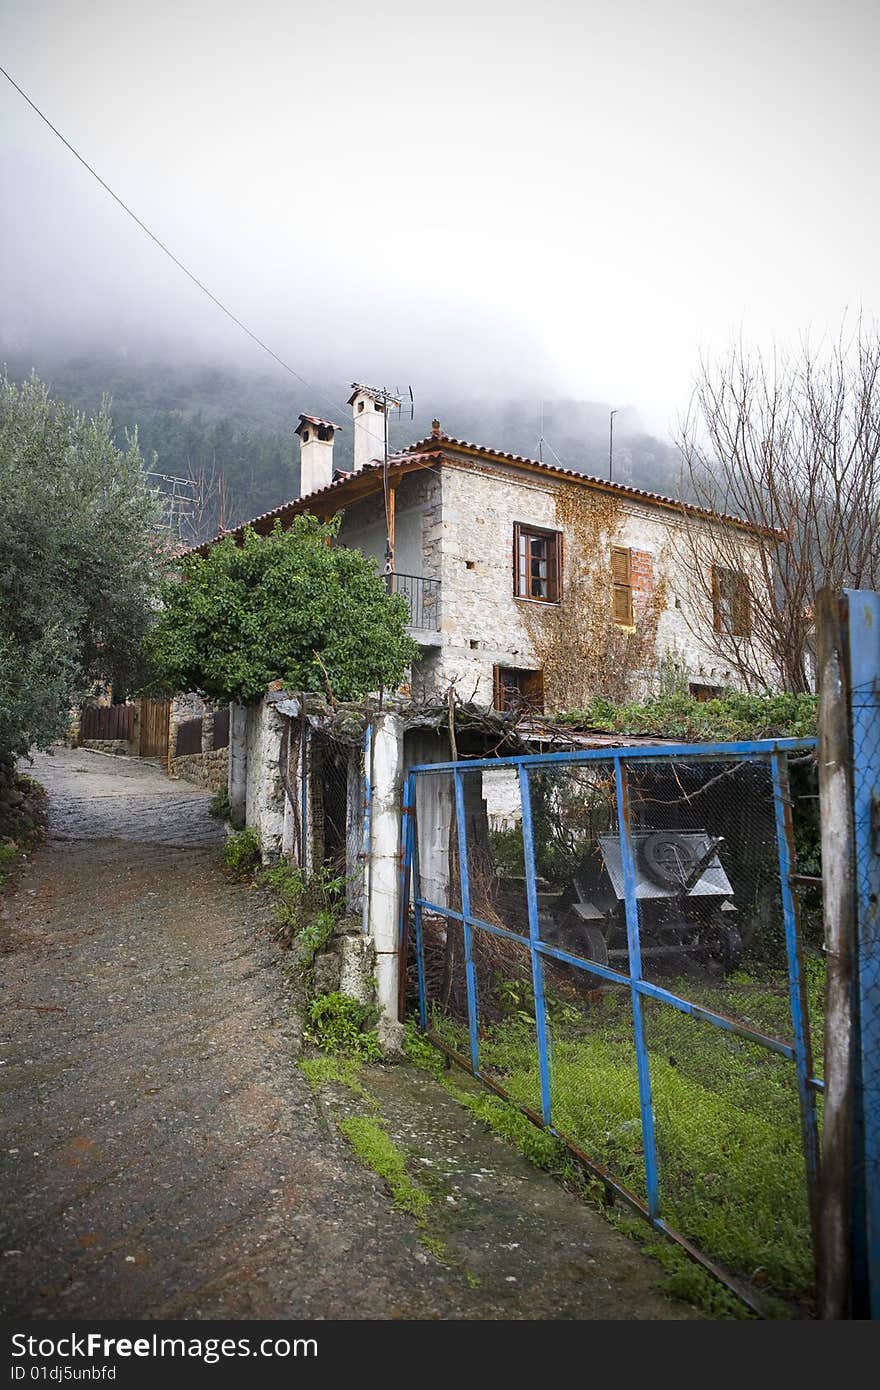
(542, 442)
(178, 497)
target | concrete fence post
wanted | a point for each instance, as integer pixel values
(383, 865)
(237, 777)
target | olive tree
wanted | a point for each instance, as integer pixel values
(79, 572)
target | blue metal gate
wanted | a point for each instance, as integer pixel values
(620, 941)
(863, 619)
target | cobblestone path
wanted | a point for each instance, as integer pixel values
(161, 1154)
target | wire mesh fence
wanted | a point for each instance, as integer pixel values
(627, 946)
(323, 774)
(865, 714)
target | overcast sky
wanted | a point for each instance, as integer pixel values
(571, 197)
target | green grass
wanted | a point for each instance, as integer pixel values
(682, 1279)
(8, 855)
(726, 1117)
(375, 1147)
(326, 1070)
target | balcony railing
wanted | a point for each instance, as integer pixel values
(423, 597)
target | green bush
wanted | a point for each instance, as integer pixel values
(7, 859)
(732, 716)
(293, 606)
(507, 852)
(337, 1023)
(241, 857)
(308, 909)
(219, 807)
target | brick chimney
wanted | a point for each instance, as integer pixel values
(316, 453)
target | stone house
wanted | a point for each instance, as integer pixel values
(527, 582)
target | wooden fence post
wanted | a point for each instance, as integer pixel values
(839, 909)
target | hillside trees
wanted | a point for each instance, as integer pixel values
(291, 606)
(79, 562)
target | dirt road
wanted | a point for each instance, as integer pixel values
(162, 1154)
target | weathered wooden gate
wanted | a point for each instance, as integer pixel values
(110, 722)
(155, 716)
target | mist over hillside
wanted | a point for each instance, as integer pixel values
(211, 422)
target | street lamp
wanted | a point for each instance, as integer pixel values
(611, 441)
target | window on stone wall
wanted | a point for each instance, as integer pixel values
(621, 585)
(702, 693)
(518, 689)
(537, 563)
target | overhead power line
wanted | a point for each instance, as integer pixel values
(162, 247)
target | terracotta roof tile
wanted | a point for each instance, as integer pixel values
(316, 420)
(439, 447)
(433, 441)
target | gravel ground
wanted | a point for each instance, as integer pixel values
(161, 1154)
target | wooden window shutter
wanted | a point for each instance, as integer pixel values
(497, 689)
(621, 570)
(621, 578)
(716, 599)
(741, 608)
(518, 588)
(532, 687)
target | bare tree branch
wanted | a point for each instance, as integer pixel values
(790, 444)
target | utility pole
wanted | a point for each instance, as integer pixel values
(611, 443)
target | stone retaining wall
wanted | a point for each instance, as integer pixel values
(108, 745)
(208, 770)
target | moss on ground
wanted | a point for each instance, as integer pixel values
(325, 1070)
(375, 1147)
(729, 1134)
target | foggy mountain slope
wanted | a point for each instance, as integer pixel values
(211, 419)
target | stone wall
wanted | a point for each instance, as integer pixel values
(208, 770)
(483, 624)
(210, 767)
(107, 745)
(265, 797)
(417, 527)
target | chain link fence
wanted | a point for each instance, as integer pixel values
(864, 710)
(323, 773)
(629, 947)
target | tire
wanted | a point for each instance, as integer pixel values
(579, 938)
(725, 945)
(667, 859)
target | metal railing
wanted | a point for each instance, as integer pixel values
(423, 597)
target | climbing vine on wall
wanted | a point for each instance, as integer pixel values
(582, 650)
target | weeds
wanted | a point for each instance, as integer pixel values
(241, 856)
(8, 855)
(375, 1147)
(337, 1023)
(308, 908)
(219, 806)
